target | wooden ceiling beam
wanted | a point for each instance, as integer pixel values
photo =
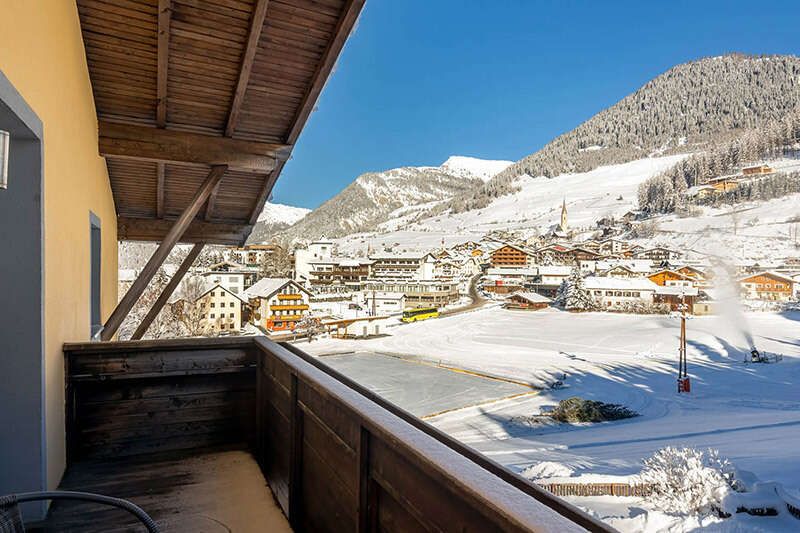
(164, 17)
(343, 29)
(153, 230)
(161, 171)
(127, 141)
(256, 25)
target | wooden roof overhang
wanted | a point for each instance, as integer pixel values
(184, 86)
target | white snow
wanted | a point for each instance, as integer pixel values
(750, 413)
(281, 213)
(472, 167)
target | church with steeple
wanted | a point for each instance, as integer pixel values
(562, 227)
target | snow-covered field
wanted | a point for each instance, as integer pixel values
(750, 413)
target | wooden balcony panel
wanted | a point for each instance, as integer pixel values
(289, 307)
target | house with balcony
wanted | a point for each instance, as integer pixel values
(277, 304)
(169, 121)
(402, 266)
(232, 276)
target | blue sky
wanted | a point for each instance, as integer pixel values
(421, 80)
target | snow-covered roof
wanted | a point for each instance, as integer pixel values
(399, 255)
(554, 270)
(213, 286)
(266, 287)
(770, 273)
(676, 290)
(625, 284)
(532, 297)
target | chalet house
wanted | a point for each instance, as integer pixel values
(676, 296)
(619, 271)
(769, 286)
(527, 300)
(412, 266)
(757, 170)
(671, 277)
(657, 254)
(724, 183)
(553, 254)
(549, 279)
(612, 246)
(221, 310)
(232, 276)
(418, 293)
(701, 191)
(510, 255)
(503, 286)
(254, 255)
(616, 294)
(169, 122)
(278, 303)
(339, 271)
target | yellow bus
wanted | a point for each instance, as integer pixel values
(421, 313)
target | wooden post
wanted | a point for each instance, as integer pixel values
(157, 259)
(167, 292)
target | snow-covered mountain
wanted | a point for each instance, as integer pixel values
(373, 197)
(273, 219)
(472, 167)
(281, 213)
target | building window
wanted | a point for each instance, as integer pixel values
(212, 315)
(5, 138)
(231, 304)
(95, 240)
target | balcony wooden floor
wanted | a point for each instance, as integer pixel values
(186, 491)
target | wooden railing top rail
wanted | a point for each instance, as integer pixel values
(440, 461)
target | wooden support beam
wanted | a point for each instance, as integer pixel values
(164, 16)
(161, 172)
(226, 232)
(127, 141)
(256, 25)
(345, 25)
(157, 259)
(167, 292)
(212, 201)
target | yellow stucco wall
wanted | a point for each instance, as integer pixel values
(41, 53)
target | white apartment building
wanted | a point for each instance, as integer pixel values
(221, 309)
(617, 294)
(413, 266)
(304, 259)
(232, 276)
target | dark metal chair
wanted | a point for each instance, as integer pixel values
(11, 518)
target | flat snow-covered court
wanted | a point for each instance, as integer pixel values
(749, 412)
(421, 388)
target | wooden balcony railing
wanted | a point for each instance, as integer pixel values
(336, 456)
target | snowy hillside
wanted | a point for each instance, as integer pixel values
(374, 196)
(605, 191)
(281, 213)
(471, 167)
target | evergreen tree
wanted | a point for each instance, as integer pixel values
(573, 294)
